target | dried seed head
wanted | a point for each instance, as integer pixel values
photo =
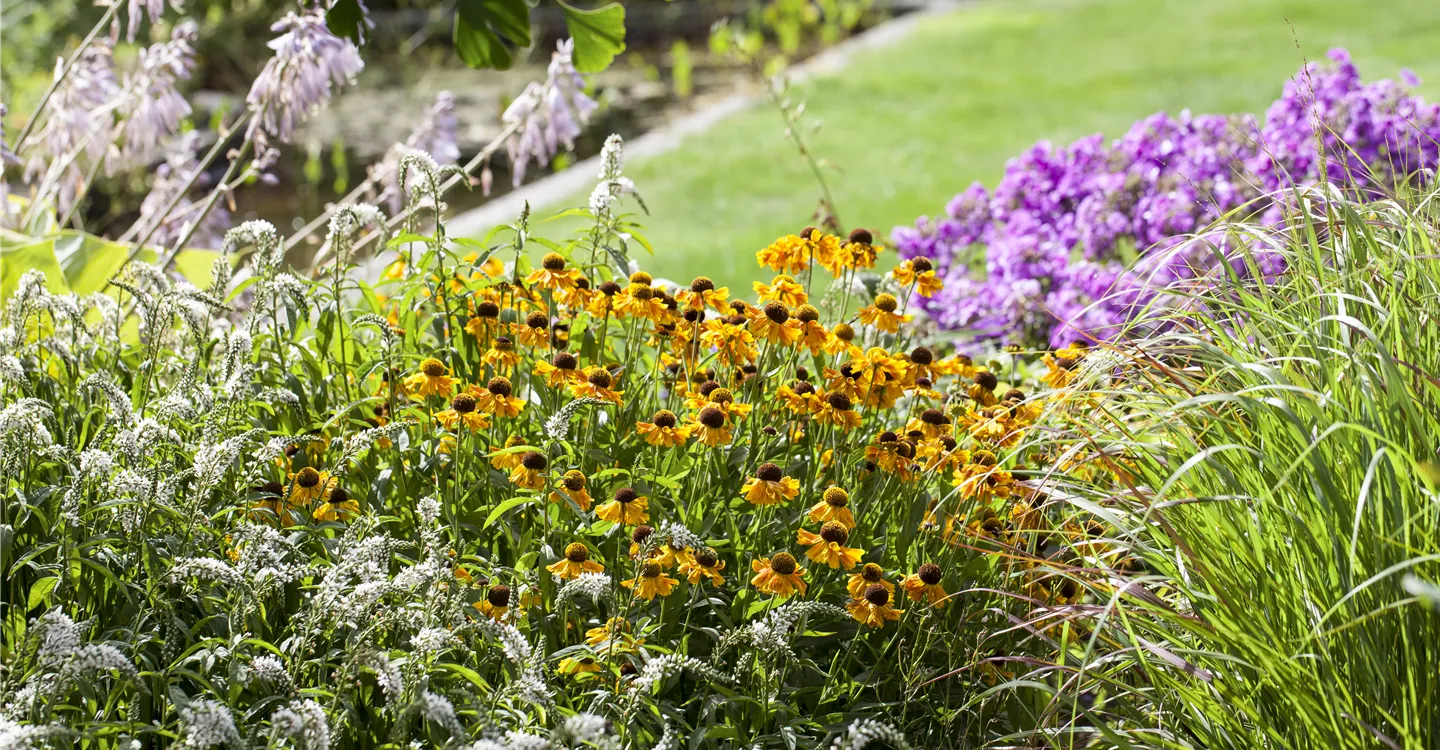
(500, 386)
(534, 460)
(707, 557)
(933, 417)
(784, 563)
(777, 312)
(487, 309)
(986, 380)
(922, 355)
(836, 497)
(861, 236)
(499, 595)
(886, 303)
(626, 495)
(769, 472)
(577, 552)
(432, 367)
(565, 361)
(574, 480)
(929, 574)
(877, 595)
(832, 531)
(838, 401)
(609, 288)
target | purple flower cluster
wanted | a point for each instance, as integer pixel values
(1074, 240)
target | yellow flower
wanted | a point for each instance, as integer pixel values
(431, 380)
(552, 273)
(336, 506)
(789, 254)
(813, 335)
(828, 546)
(769, 486)
(535, 332)
(596, 384)
(651, 582)
(772, 323)
(628, 508)
(941, 454)
(780, 575)
(560, 370)
(507, 461)
(309, 485)
(982, 479)
(573, 484)
(462, 412)
(837, 409)
(529, 475)
(496, 604)
(841, 338)
(712, 427)
(991, 426)
(576, 561)
(705, 563)
(921, 273)
(873, 607)
(982, 391)
(869, 575)
(1063, 364)
(924, 585)
(702, 292)
(668, 555)
(882, 314)
(799, 398)
(579, 667)
(784, 289)
(502, 355)
(616, 629)
(833, 507)
(663, 430)
(638, 301)
(498, 398)
(733, 344)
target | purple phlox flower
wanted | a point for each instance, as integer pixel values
(308, 65)
(548, 115)
(153, 106)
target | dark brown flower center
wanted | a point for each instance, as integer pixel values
(834, 532)
(777, 312)
(922, 355)
(929, 574)
(499, 386)
(463, 403)
(665, 418)
(783, 563)
(707, 557)
(838, 401)
(712, 417)
(922, 264)
(339, 496)
(487, 309)
(836, 497)
(553, 262)
(807, 314)
(877, 595)
(574, 480)
(768, 472)
(626, 495)
(537, 319)
(564, 361)
(650, 569)
(933, 417)
(872, 573)
(702, 284)
(599, 377)
(534, 460)
(499, 595)
(641, 533)
(861, 236)
(576, 552)
(886, 303)
(987, 380)
(307, 477)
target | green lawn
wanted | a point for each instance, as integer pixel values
(910, 125)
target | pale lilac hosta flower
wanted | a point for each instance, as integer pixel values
(179, 169)
(78, 123)
(153, 106)
(152, 8)
(309, 64)
(435, 135)
(549, 115)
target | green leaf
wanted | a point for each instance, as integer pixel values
(346, 19)
(482, 27)
(19, 254)
(504, 507)
(88, 261)
(40, 591)
(599, 35)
